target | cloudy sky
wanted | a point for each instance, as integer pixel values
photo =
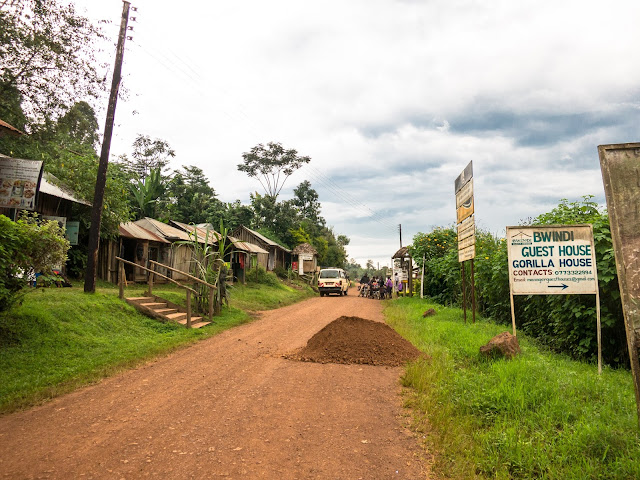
(390, 98)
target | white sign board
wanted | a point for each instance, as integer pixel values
(550, 260)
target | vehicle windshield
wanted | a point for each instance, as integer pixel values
(330, 274)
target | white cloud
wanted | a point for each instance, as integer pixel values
(391, 99)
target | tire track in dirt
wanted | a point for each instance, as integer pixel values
(227, 407)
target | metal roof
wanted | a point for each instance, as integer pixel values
(245, 246)
(266, 240)
(304, 248)
(58, 190)
(131, 230)
(10, 129)
(200, 232)
(162, 229)
(402, 253)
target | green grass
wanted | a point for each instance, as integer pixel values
(62, 338)
(540, 415)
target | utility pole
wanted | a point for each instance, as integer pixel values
(400, 230)
(98, 199)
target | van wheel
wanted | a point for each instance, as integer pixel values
(346, 292)
(322, 294)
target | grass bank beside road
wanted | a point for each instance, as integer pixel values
(62, 338)
(540, 415)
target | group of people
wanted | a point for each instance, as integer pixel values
(375, 287)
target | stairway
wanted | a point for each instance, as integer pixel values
(165, 311)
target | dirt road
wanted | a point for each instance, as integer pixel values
(229, 407)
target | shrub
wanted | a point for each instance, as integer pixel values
(281, 272)
(260, 275)
(27, 246)
(565, 323)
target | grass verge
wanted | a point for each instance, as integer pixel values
(540, 415)
(62, 338)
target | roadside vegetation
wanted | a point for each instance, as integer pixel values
(540, 415)
(61, 338)
(564, 323)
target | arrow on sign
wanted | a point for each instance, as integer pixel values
(563, 286)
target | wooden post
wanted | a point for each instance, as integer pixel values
(599, 330)
(422, 278)
(153, 267)
(218, 305)
(188, 308)
(464, 292)
(211, 291)
(473, 292)
(98, 198)
(121, 279)
(513, 313)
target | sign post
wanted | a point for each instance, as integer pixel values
(620, 166)
(466, 232)
(553, 260)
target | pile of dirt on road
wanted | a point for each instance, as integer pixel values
(350, 340)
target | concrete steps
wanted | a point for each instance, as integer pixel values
(165, 311)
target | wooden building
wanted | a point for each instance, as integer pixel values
(403, 260)
(278, 256)
(304, 259)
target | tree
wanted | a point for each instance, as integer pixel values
(271, 165)
(236, 214)
(279, 218)
(306, 199)
(67, 146)
(48, 57)
(191, 199)
(343, 240)
(147, 192)
(80, 125)
(148, 154)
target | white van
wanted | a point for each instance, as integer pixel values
(333, 280)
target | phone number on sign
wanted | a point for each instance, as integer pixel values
(572, 272)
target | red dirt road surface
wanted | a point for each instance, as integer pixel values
(228, 407)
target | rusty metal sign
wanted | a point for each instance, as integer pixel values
(464, 177)
(620, 165)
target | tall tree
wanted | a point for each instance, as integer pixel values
(306, 199)
(147, 155)
(48, 57)
(191, 199)
(271, 165)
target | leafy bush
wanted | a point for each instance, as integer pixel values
(281, 272)
(565, 323)
(27, 246)
(260, 275)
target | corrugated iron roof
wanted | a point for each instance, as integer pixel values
(131, 230)
(162, 229)
(245, 246)
(10, 129)
(46, 186)
(402, 253)
(266, 240)
(200, 232)
(304, 248)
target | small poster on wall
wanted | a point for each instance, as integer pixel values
(19, 182)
